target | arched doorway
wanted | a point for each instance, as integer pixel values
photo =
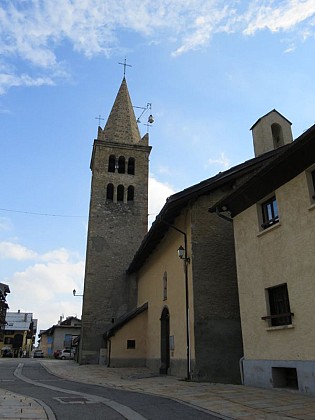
(165, 341)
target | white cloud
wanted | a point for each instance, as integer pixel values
(223, 162)
(158, 193)
(277, 16)
(12, 251)
(44, 287)
(33, 31)
(10, 80)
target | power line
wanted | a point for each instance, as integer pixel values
(40, 214)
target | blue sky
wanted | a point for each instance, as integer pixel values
(209, 68)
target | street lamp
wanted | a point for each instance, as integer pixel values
(75, 293)
(182, 254)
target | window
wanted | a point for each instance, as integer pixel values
(165, 286)
(277, 135)
(131, 166)
(270, 214)
(130, 193)
(121, 165)
(131, 344)
(111, 163)
(110, 192)
(120, 193)
(279, 306)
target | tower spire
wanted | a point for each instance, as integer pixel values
(121, 126)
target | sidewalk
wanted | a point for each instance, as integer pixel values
(227, 401)
(14, 407)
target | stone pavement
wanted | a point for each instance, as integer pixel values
(14, 406)
(225, 401)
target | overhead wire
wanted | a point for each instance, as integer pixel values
(41, 214)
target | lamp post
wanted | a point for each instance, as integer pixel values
(75, 293)
(182, 254)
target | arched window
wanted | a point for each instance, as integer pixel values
(121, 165)
(110, 192)
(277, 135)
(111, 163)
(130, 193)
(131, 166)
(120, 193)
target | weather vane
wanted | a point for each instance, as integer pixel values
(125, 65)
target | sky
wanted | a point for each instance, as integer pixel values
(209, 69)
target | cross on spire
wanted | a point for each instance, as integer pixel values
(125, 65)
(99, 118)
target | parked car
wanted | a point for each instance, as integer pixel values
(6, 352)
(66, 354)
(38, 354)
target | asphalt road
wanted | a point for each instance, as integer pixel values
(72, 400)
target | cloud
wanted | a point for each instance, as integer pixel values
(223, 162)
(277, 16)
(12, 251)
(32, 32)
(158, 193)
(45, 286)
(10, 80)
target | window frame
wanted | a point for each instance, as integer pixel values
(278, 303)
(269, 212)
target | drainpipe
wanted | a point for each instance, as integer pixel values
(109, 348)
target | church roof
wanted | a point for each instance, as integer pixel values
(121, 126)
(125, 319)
(176, 202)
(297, 157)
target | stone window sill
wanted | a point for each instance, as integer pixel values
(273, 227)
(280, 327)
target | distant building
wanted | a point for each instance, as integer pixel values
(274, 224)
(4, 290)
(19, 333)
(59, 336)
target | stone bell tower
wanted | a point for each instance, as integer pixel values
(118, 221)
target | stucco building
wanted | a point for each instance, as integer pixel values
(19, 333)
(274, 224)
(60, 336)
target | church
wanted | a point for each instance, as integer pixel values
(166, 298)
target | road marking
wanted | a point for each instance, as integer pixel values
(125, 411)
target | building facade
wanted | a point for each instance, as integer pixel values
(274, 224)
(60, 336)
(19, 334)
(200, 288)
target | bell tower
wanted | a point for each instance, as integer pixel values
(118, 221)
